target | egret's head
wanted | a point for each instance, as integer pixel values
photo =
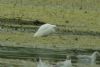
(98, 53)
(68, 57)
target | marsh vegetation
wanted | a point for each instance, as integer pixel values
(78, 22)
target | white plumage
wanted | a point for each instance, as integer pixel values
(66, 63)
(43, 64)
(45, 30)
(88, 59)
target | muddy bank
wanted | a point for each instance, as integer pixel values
(20, 21)
(33, 29)
(17, 24)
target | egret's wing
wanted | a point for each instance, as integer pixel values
(84, 59)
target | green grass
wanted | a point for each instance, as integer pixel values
(16, 63)
(83, 15)
(78, 18)
(55, 12)
(68, 41)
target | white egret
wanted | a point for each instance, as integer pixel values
(43, 64)
(66, 63)
(88, 59)
(45, 30)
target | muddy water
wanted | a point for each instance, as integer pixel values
(53, 55)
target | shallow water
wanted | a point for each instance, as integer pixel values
(28, 63)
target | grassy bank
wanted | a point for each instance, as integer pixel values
(56, 12)
(79, 15)
(67, 41)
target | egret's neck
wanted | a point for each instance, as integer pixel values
(94, 54)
